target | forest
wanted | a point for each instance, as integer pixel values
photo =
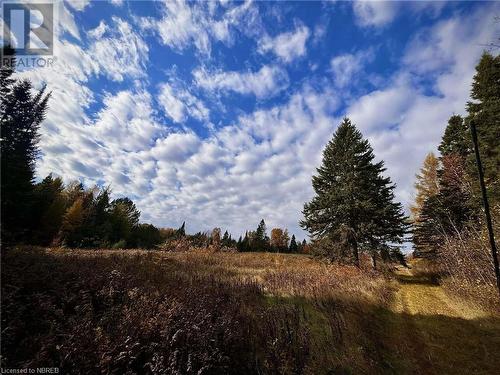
(89, 288)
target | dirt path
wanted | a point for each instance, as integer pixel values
(440, 334)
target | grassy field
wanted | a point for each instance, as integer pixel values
(90, 311)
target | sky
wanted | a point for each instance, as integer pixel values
(216, 113)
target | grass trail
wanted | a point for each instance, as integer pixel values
(438, 334)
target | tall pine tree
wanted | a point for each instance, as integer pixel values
(21, 112)
(485, 110)
(353, 199)
(293, 248)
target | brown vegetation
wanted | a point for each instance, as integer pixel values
(466, 262)
(187, 313)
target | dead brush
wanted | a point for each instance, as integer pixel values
(193, 312)
(465, 261)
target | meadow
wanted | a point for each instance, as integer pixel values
(155, 312)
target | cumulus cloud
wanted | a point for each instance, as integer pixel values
(184, 24)
(175, 147)
(288, 46)
(374, 13)
(263, 171)
(260, 164)
(346, 67)
(379, 13)
(119, 50)
(79, 4)
(179, 103)
(267, 81)
(403, 121)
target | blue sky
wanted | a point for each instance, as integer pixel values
(216, 113)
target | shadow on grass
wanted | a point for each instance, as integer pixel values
(423, 280)
(437, 344)
(149, 314)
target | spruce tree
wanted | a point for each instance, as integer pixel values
(181, 232)
(225, 239)
(293, 248)
(456, 138)
(353, 196)
(21, 113)
(48, 209)
(259, 239)
(485, 111)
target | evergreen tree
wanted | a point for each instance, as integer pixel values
(293, 248)
(352, 195)
(259, 241)
(124, 218)
(22, 112)
(245, 244)
(448, 211)
(456, 138)
(145, 236)
(485, 111)
(49, 209)
(226, 240)
(427, 230)
(98, 226)
(181, 232)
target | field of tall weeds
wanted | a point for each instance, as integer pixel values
(152, 312)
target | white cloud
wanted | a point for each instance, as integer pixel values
(403, 121)
(346, 67)
(176, 147)
(288, 46)
(259, 165)
(184, 24)
(267, 81)
(374, 13)
(379, 13)
(243, 172)
(119, 50)
(180, 26)
(178, 104)
(79, 4)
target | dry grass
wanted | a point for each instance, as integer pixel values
(155, 312)
(114, 311)
(464, 267)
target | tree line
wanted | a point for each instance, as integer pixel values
(52, 213)
(48, 212)
(354, 209)
(448, 197)
(253, 241)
